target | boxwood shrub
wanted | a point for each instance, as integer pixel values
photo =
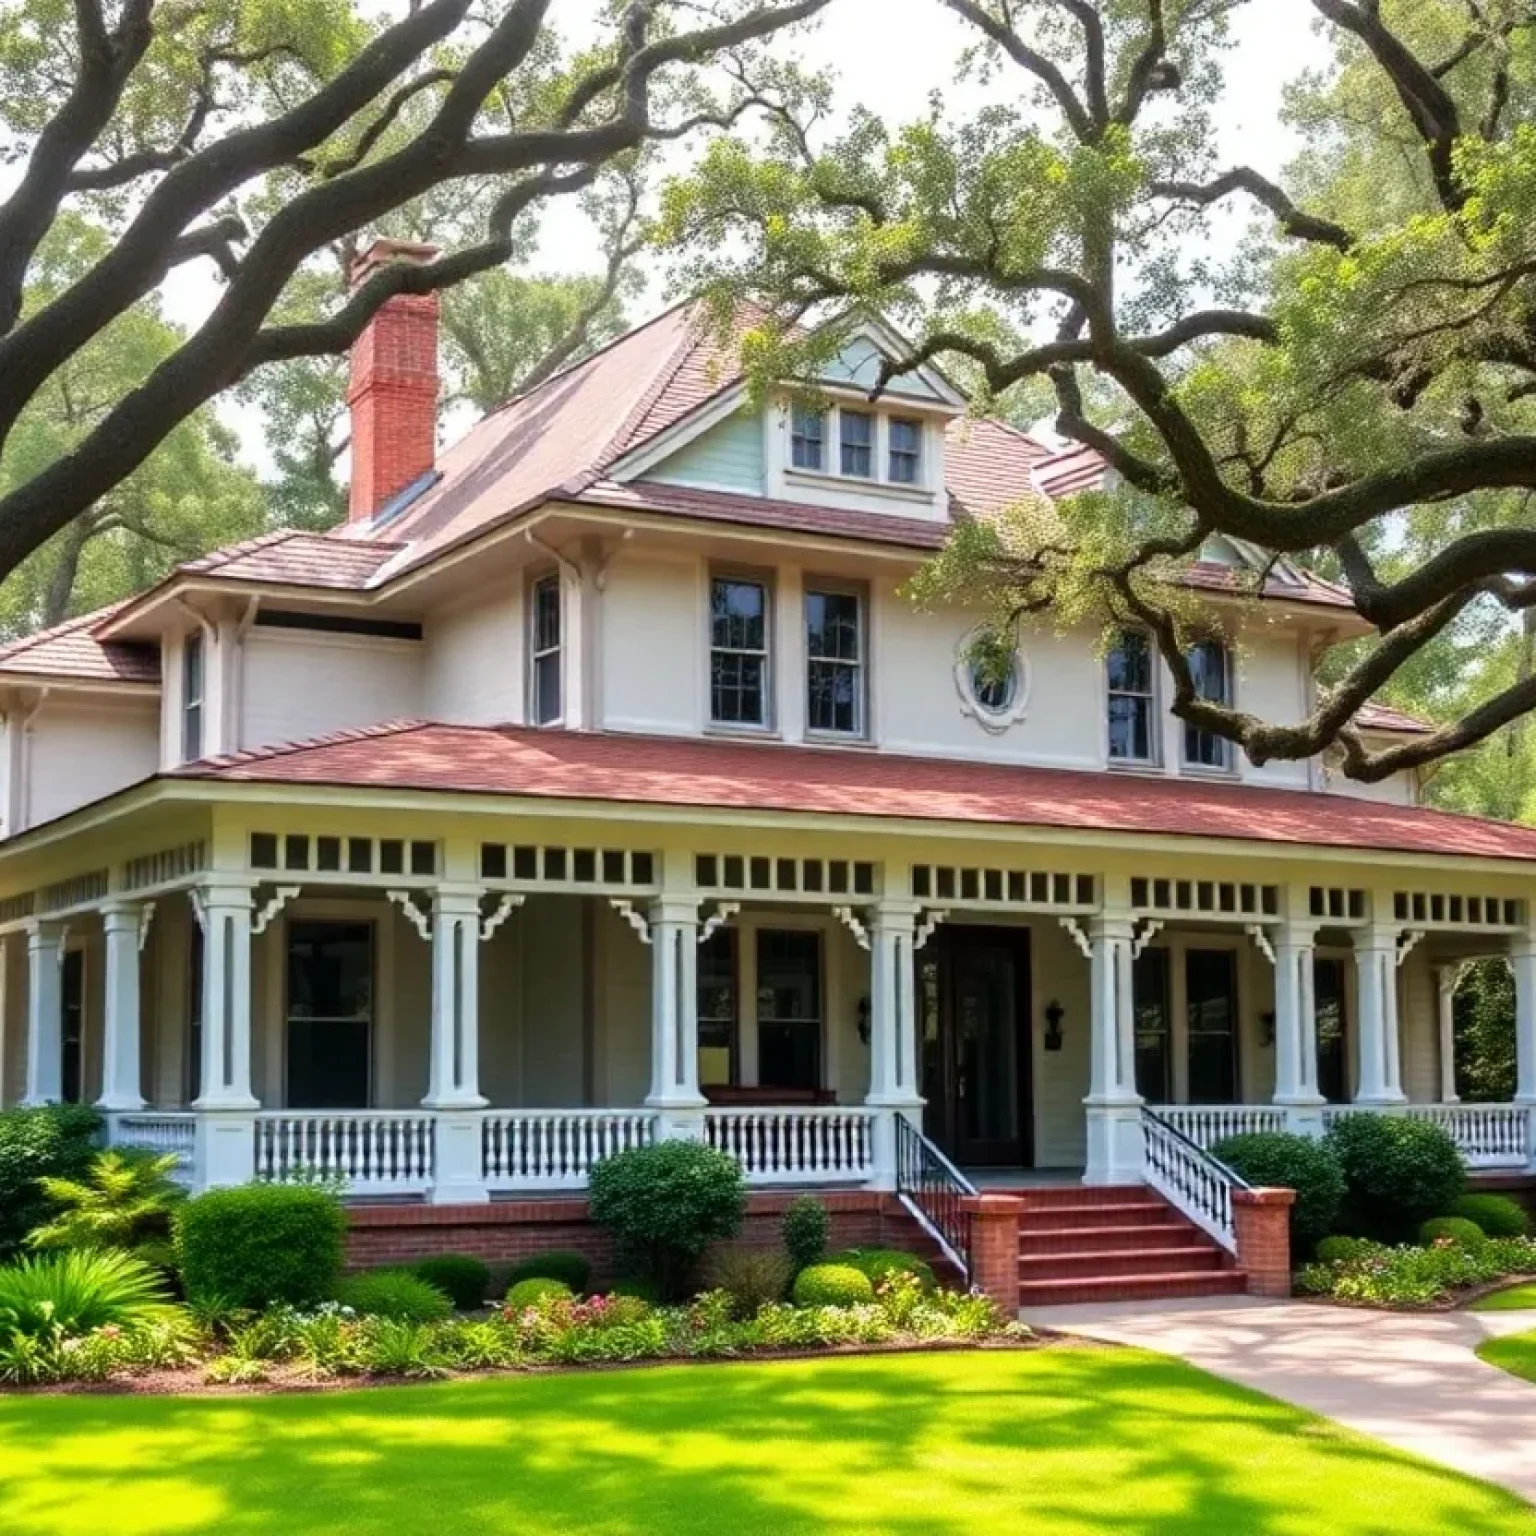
(805, 1229)
(526, 1292)
(1397, 1174)
(832, 1285)
(255, 1245)
(50, 1141)
(1497, 1215)
(1278, 1160)
(877, 1263)
(462, 1277)
(1455, 1229)
(396, 1294)
(572, 1270)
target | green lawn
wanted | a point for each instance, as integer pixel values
(1065, 1440)
(1514, 1298)
(1515, 1353)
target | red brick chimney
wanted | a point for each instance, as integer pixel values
(393, 391)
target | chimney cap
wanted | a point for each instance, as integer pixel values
(384, 253)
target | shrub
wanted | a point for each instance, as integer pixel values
(1397, 1173)
(53, 1141)
(572, 1270)
(124, 1200)
(528, 1293)
(76, 1291)
(394, 1293)
(805, 1230)
(751, 1277)
(879, 1264)
(1451, 1229)
(832, 1285)
(665, 1204)
(636, 1290)
(1344, 1250)
(258, 1244)
(1276, 1160)
(1497, 1215)
(462, 1277)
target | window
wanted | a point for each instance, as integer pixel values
(1131, 699)
(1332, 1030)
(1211, 666)
(330, 1014)
(1153, 1021)
(738, 652)
(72, 1026)
(1211, 983)
(807, 438)
(834, 651)
(906, 450)
(856, 436)
(192, 698)
(718, 1012)
(547, 701)
(788, 1009)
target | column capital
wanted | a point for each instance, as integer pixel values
(44, 932)
(228, 891)
(669, 908)
(1293, 932)
(1376, 936)
(456, 898)
(1111, 925)
(121, 912)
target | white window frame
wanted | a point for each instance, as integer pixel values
(872, 448)
(916, 454)
(822, 417)
(741, 578)
(1154, 713)
(193, 707)
(860, 666)
(537, 653)
(1229, 682)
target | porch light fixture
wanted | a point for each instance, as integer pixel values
(864, 1020)
(1054, 1014)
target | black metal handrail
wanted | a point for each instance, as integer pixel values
(932, 1189)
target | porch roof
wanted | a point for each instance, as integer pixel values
(569, 765)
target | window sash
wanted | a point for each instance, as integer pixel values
(906, 451)
(1132, 688)
(856, 443)
(1211, 1010)
(1211, 663)
(546, 647)
(1153, 1020)
(808, 438)
(790, 1007)
(192, 698)
(834, 668)
(739, 658)
(719, 992)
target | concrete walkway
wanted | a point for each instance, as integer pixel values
(1409, 1379)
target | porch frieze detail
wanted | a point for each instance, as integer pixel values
(509, 903)
(419, 920)
(723, 913)
(270, 908)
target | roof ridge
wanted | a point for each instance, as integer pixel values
(400, 727)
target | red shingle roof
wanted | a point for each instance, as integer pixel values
(724, 775)
(291, 558)
(71, 650)
(1382, 717)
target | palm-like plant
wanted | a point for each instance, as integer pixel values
(79, 1290)
(124, 1200)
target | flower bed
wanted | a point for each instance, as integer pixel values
(1444, 1274)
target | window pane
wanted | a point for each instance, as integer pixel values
(1130, 663)
(789, 1009)
(738, 611)
(906, 439)
(737, 695)
(1210, 976)
(834, 697)
(717, 1009)
(330, 1005)
(807, 438)
(1209, 664)
(192, 669)
(1332, 1031)
(1130, 728)
(546, 615)
(71, 1025)
(832, 626)
(1154, 1058)
(857, 437)
(546, 689)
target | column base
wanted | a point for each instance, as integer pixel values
(679, 1120)
(224, 1146)
(1116, 1154)
(119, 1104)
(882, 1135)
(1303, 1115)
(1384, 1103)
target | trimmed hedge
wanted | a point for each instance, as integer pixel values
(1455, 1229)
(464, 1279)
(877, 1263)
(526, 1292)
(50, 1141)
(1497, 1215)
(1397, 1174)
(256, 1245)
(1278, 1160)
(805, 1229)
(572, 1270)
(832, 1285)
(1344, 1250)
(395, 1293)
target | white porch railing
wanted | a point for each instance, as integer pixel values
(1206, 1124)
(375, 1152)
(159, 1131)
(556, 1148)
(1189, 1178)
(821, 1145)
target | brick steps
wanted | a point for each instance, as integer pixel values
(1163, 1234)
(1203, 1282)
(1151, 1261)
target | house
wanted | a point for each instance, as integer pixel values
(596, 782)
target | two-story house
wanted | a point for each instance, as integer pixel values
(597, 782)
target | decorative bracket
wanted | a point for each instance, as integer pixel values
(723, 913)
(199, 906)
(508, 904)
(854, 924)
(419, 920)
(280, 899)
(1255, 931)
(1140, 941)
(636, 919)
(146, 917)
(63, 948)
(1078, 937)
(1409, 939)
(926, 924)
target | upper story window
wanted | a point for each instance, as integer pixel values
(834, 662)
(738, 651)
(1132, 698)
(856, 438)
(192, 674)
(906, 451)
(546, 694)
(808, 438)
(1211, 665)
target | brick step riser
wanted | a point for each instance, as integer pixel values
(1101, 1216)
(1089, 1239)
(1050, 1293)
(1083, 1194)
(1177, 1261)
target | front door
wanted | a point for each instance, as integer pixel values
(974, 1005)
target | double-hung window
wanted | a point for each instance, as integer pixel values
(738, 651)
(856, 440)
(1132, 698)
(834, 662)
(719, 1010)
(192, 698)
(808, 438)
(1211, 665)
(546, 666)
(905, 451)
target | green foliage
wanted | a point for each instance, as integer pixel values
(805, 1229)
(125, 1200)
(79, 1290)
(1397, 1173)
(832, 1285)
(665, 1204)
(258, 1244)
(1414, 1277)
(1496, 1215)
(637, 1290)
(52, 1141)
(526, 1293)
(1451, 1229)
(573, 1270)
(1339, 1249)
(394, 1293)
(464, 1278)
(1277, 1160)
(750, 1276)
(1484, 1019)
(880, 1263)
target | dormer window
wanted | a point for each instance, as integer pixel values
(546, 700)
(192, 698)
(906, 451)
(808, 438)
(856, 437)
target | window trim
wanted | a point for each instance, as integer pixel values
(746, 576)
(1229, 764)
(548, 580)
(732, 937)
(821, 415)
(918, 455)
(1154, 759)
(815, 586)
(769, 929)
(194, 652)
(872, 447)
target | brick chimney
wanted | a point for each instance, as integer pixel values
(393, 391)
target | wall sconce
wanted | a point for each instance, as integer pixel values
(864, 1020)
(1268, 1021)
(1054, 1014)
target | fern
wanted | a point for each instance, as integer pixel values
(77, 1291)
(124, 1200)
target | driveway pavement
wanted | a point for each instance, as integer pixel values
(1410, 1379)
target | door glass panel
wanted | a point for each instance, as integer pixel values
(788, 1009)
(330, 1014)
(72, 1024)
(1332, 1036)
(987, 1040)
(929, 1026)
(717, 1009)
(1211, 977)
(1154, 1058)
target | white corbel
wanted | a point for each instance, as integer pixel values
(926, 924)
(1145, 937)
(1407, 941)
(146, 917)
(723, 913)
(419, 920)
(199, 906)
(63, 949)
(854, 924)
(508, 904)
(275, 904)
(635, 918)
(1078, 937)
(1255, 931)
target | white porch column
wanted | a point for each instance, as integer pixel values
(45, 1013)
(226, 1124)
(894, 1088)
(674, 936)
(1447, 978)
(1113, 1106)
(1296, 1028)
(1376, 985)
(1522, 960)
(121, 922)
(453, 1077)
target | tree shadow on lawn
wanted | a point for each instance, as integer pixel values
(1053, 1441)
